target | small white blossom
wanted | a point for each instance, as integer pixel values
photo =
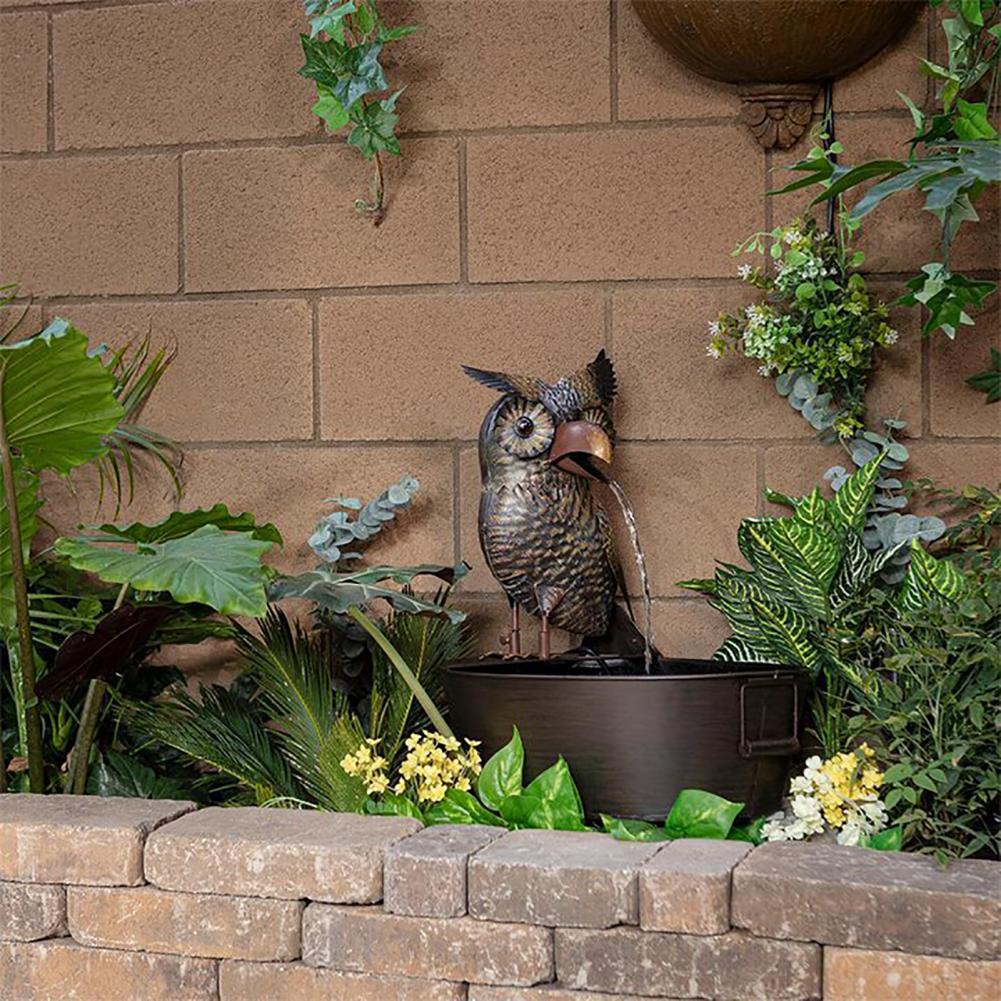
(891, 338)
(714, 328)
(744, 271)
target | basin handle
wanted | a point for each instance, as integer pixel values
(773, 746)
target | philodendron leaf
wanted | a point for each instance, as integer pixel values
(58, 400)
(460, 807)
(501, 775)
(208, 567)
(632, 830)
(117, 639)
(26, 488)
(700, 814)
(119, 775)
(337, 592)
(181, 523)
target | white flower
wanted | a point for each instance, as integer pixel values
(850, 834)
(801, 784)
(764, 370)
(891, 338)
(744, 271)
(713, 351)
(714, 328)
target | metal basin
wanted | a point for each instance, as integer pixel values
(634, 741)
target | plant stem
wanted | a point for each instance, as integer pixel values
(437, 720)
(377, 210)
(33, 722)
(89, 718)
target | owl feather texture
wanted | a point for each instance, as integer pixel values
(545, 536)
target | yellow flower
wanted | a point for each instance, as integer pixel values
(350, 764)
(377, 784)
(400, 787)
(463, 785)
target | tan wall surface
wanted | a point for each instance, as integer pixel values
(564, 186)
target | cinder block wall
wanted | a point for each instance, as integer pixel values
(564, 186)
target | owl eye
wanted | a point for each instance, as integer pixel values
(525, 429)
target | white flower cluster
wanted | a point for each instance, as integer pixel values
(838, 795)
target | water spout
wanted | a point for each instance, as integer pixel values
(634, 537)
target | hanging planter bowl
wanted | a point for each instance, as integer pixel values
(776, 51)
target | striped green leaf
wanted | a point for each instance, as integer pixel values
(788, 633)
(737, 651)
(810, 555)
(852, 500)
(812, 509)
(929, 579)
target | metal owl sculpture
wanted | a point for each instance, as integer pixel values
(545, 537)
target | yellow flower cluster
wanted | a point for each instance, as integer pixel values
(850, 777)
(368, 765)
(433, 764)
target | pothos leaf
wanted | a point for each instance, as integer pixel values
(700, 814)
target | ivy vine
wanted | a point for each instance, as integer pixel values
(343, 49)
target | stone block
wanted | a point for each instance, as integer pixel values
(30, 911)
(425, 875)
(730, 967)
(288, 854)
(367, 940)
(567, 878)
(24, 75)
(192, 924)
(269, 981)
(874, 900)
(44, 971)
(79, 839)
(685, 887)
(864, 975)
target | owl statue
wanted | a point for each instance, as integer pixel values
(545, 537)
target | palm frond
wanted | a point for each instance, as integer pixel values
(428, 644)
(220, 730)
(137, 370)
(314, 726)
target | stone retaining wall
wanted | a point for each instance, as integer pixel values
(136, 899)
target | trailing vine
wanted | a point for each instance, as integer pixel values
(342, 50)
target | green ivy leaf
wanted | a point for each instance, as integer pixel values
(501, 775)
(700, 814)
(329, 109)
(361, 74)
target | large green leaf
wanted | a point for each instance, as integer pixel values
(929, 579)
(58, 401)
(209, 567)
(337, 592)
(501, 775)
(26, 487)
(181, 523)
(737, 651)
(700, 814)
(788, 633)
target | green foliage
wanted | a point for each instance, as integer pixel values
(695, 814)
(208, 566)
(817, 330)
(989, 380)
(974, 537)
(343, 51)
(960, 159)
(338, 592)
(280, 734)
(180, 523)
(501, 775)
(808, 594)
(932, 712)
(339, 537)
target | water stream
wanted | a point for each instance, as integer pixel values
(634, 537)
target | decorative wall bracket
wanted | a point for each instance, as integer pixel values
(777, 114)
(776, 51)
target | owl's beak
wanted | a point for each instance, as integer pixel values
(582, 448)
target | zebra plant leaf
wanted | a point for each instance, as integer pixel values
(811, 556)
(737, 651)
(756, 540)
(852, 500)
(787, 632)
(812, 510)
(928, 579)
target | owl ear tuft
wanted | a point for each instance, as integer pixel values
(602, 375)
(525, 388)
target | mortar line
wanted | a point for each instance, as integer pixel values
(613, 60)
(75, 5)
(925, 408)
(50, 87)
(456, 504)
(306, 140)
(182, 234)
(314, 333)
(463, 194)
(451, 288)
